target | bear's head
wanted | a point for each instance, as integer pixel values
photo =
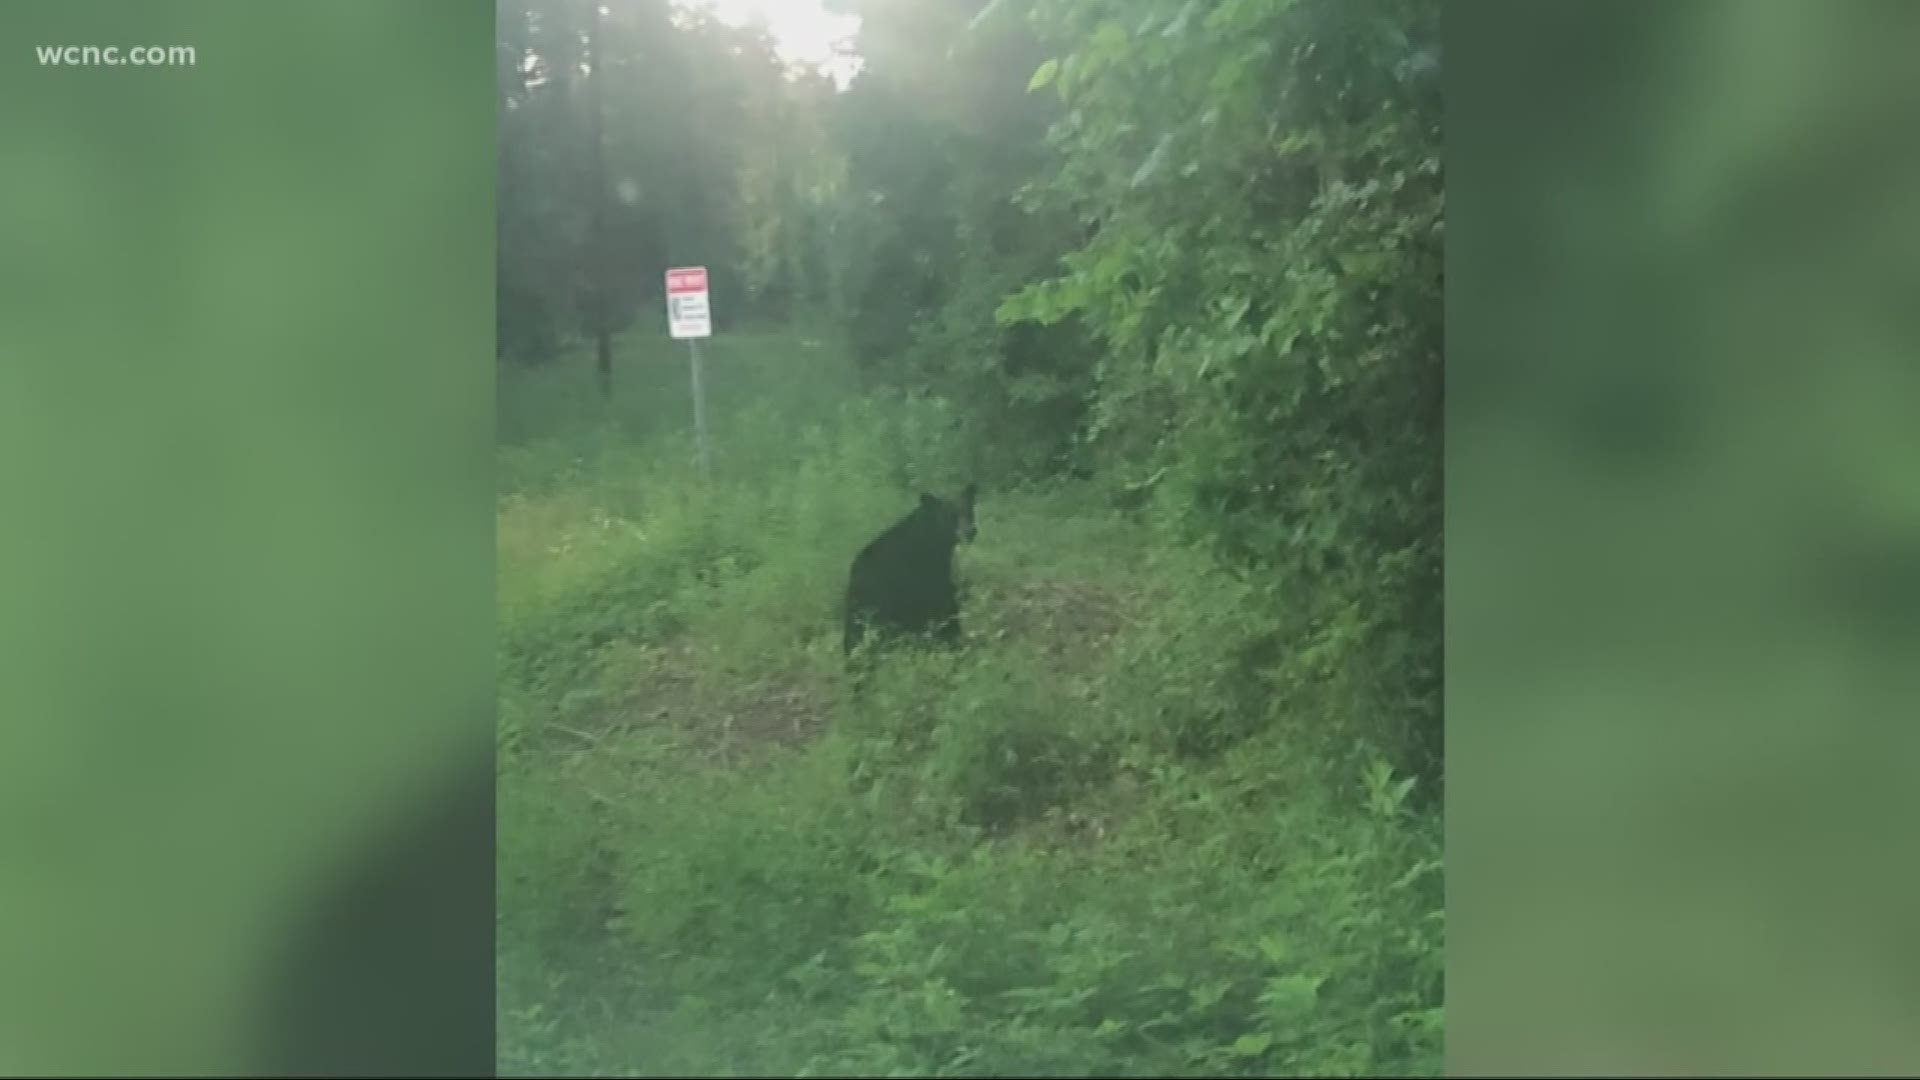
(951, 519)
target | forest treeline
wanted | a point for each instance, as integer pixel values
(1188, 252)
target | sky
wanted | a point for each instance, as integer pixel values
(803, 30)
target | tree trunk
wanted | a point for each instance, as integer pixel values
(598, 285)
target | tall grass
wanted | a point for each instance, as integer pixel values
(1091, 843)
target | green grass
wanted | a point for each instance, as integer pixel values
(1090, 844)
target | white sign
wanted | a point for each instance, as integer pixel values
(688, 315)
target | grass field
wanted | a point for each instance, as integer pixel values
(1094, 842)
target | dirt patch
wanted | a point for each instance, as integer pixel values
(784, 709)
(1070, 624)
(671, 690)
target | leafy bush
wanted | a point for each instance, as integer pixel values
(1091, 843)
(1170, 810)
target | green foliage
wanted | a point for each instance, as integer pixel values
(1162, 276)
(938, 131)
(760, 866)
(985, 745)
(1088, 845)
(1265, 277)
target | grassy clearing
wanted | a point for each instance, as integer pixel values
(1091, 844)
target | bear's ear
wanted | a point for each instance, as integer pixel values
(967, 493)
(928, 501)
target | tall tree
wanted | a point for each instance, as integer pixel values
(599, 283)
(537, 216)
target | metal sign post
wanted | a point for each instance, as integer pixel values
(689, 316)
(700, 412)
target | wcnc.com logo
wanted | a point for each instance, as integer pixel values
(114, 56)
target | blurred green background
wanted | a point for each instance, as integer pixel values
(246, 544)
(1683, 547)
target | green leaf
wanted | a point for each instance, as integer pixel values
(986, 13)
(1152, 165)
(1044, 74)
(1252, 1045)
(1292, 994)
(1179, 24)
(1425, 866)
(1207, 996)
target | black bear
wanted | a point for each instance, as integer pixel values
(902, 582)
